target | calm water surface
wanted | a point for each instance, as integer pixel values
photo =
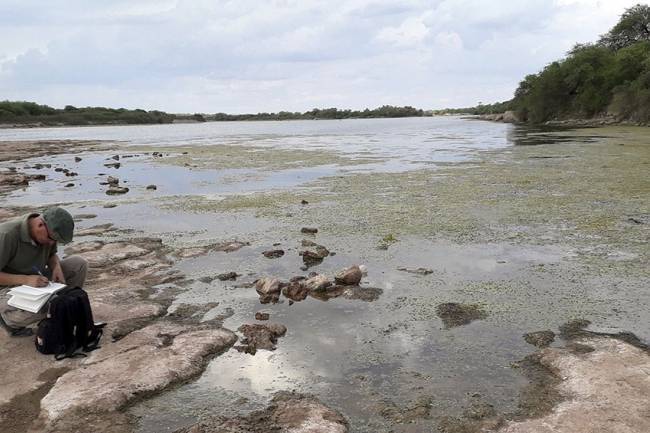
(364, 358)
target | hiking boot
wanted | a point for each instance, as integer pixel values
(15, 332)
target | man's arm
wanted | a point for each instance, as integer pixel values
(16, 280)
(55, 266)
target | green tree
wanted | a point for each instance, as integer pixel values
(634, 26)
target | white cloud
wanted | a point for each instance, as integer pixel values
(412, 31)
(243, 56)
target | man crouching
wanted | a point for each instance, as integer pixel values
(28, 247)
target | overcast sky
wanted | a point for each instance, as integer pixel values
(251, 56)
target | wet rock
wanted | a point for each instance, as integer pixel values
(453, 314)
(37, 166)
(152, 187)
(77, 159)
(262, 316)
(296, 291)
(115, 190)
(314, 254)
(94, 230)
(317, 283)
(113, 165)
(72, 174)
(115, 157)
(268, 289)
(228, 276)
(191, 313)
(144, 362)
(69, 185)
(113, 180)
(230, 247)
(288, 412)
(100, 255)
(349, 276)
(309, 230)
(367, 294)
(58, 169)
(12, 179)
(419, 271)
(260, 336)
(109, 205)
(304, 202)
(273, 254)
(540, 338)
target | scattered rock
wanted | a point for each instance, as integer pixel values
(77, 159)
(350, 276)
(152, 187)
(260, 336)
(317, 283)
(314, 255)
(540, 338)
(419, 271)
(268, 289)
(273, 254)
(113, 180)
(69, 185)
(309, 230)
(115, 157)
(453, 314)
(262, 316)
(304, 202)
(109, 205)
(228, 276)
(58, 169)
(113, 165)
(296, 291)
(114, 190)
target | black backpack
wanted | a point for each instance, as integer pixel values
(69, 326)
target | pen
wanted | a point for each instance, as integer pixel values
(38, 271)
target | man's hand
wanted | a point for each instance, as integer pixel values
(36, 281)
(57, 274)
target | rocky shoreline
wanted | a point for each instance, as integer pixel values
(511, 117)
(152, 345)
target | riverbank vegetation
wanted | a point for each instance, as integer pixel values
(610, 77)
(29, 113)
(22, 112)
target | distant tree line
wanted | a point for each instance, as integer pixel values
(21, 112)
(323, 113)
(608, 77)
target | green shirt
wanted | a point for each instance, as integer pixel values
(19, 254)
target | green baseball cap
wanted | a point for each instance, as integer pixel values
(60, 224)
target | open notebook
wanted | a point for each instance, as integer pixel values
(32, 299)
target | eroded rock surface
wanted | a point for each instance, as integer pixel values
(607, 389)
(145, 361)
(260, 336)
(287, 413)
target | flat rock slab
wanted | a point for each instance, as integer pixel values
(145, 361)
(608, 390)
(287, 413)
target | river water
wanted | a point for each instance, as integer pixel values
(374, 360)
